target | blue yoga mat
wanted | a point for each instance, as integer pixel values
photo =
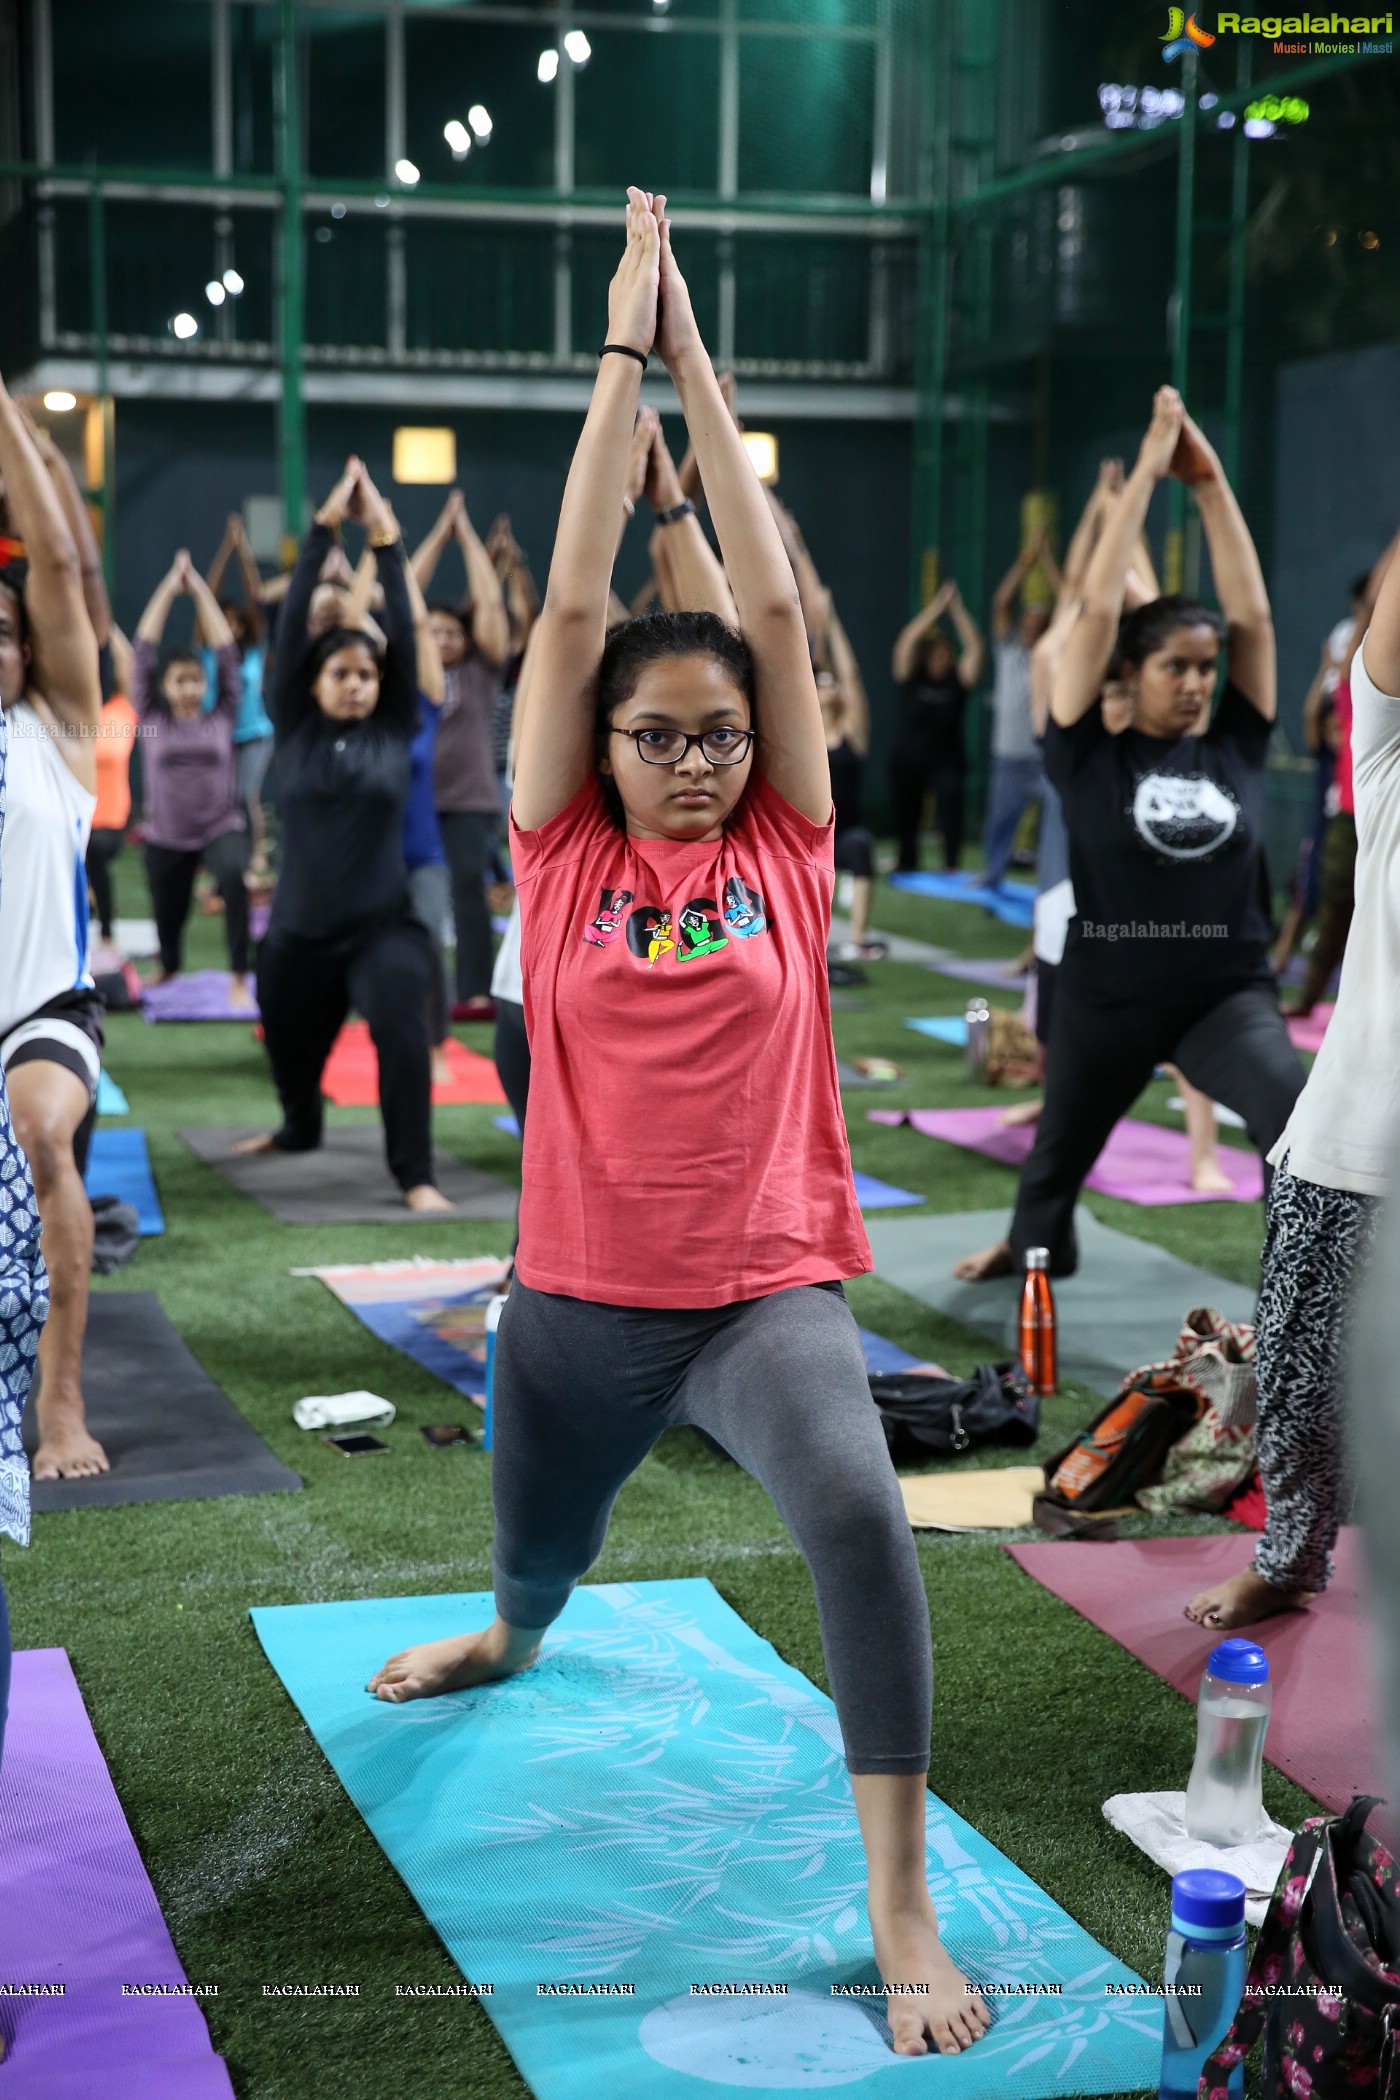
(508, 1124)
(119, 1165)
(111, 1101)
(882, 1195)
(944, 1028)
(1012, 902)
(881, 1355)
(660, 1804)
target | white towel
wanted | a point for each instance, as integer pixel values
(1156, 1823)
(339, 1410)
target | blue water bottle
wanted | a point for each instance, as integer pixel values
(1204, 1979)
(493, 1321)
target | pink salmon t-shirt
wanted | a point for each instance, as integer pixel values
(685, 1144)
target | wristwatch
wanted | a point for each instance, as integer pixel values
(684, 509)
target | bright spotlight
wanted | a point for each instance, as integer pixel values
(1258, 128)
(458, 138)
(578, 47)
(406, 172)
(233, 283)
(184, 326)
(60, 401)
(661, 5)
(214, 292)
(548, 66)
(479, 117)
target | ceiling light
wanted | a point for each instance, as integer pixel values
(184, 326)
(214, 292)
(578, 47)
(60, 401)
(458, 138)
(233, 283)
(479, 117)
(762, 448)
(1258, 128)
(337, 211)
(548, 66)
(406, 172)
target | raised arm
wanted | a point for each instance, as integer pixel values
(288, 696)
(214, 576)
(252, 578)
(64, 647)
(398, 683)
(791, 745)
(846, 672)
(1081, 544)
(1381, 647)
(151, 625)
(210, 615)
(1089, 648)
(432, 682)
(554, 741)
(1004, 596)
(693, 577)
(99, 605)
(490, 626)
(974, 649)
(916, 632)
(428, 553)
(1045, 559)
(1239, 580)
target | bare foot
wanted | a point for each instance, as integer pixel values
(1243, 1601)
(935, 2002)
(66, 1451)
(434, 1667)
(991, 1261)
(263, 1142)
(239, 993)
(1023, 1112)
(1210, 1179)
(442, 1070)
(426, 1198)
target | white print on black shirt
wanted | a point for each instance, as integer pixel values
(1185, 818)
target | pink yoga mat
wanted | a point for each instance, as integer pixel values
(77, 1909)
(1306, 1031)
(1141, 1163)
(1323, 1730)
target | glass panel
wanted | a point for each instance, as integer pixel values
(104, 74)
(801, 299)
(451, 67)
(159, 259)
(343, 91)
(479, 287)
(669, 88)
(346, 287)
(806, 114)
(250, 68)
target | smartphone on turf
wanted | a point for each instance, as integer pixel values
(355, 1443)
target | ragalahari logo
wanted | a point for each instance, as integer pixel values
(1182, 32)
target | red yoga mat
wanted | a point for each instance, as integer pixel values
(351, 1077)
(1323, 1730)
(1141, 1163)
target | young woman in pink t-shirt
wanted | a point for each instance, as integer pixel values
(687, 1207)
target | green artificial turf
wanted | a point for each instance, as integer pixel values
(265, 1872)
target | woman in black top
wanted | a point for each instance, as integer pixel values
(1167, 956)
(342, 931)
(929, 751)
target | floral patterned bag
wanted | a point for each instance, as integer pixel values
(1324, 1984)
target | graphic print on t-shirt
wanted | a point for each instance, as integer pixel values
(745, 913)
(698, 929)
(1184, 817)
(606, 923)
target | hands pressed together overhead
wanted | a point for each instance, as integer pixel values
(355, 496)
(648, 301)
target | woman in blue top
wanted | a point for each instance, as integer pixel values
(252, 729)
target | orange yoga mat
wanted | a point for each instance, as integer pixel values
(351, 1077)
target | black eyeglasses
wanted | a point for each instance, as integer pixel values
(667, 747)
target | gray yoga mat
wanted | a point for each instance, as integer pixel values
(1123, 1308)
(346, 1182)
(170, 1433)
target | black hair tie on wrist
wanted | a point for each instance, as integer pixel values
(624, 350)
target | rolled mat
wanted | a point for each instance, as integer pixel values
(657, 1810)
(200, 995)
(1141, 1163)
(1011, 902)
(170, 1434)
(1305, 1031)
(119, 1165)
(345, 1181)
(351, 1077)
(1323, 1730)
(79, 1913)
(1123, 1308)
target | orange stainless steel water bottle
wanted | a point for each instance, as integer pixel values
(1038, 1322)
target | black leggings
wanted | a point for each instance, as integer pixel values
(1101, 1055)
(913, 771)
(170, 874)
(103, 848)
(582, 1393)
(513, 1066)
(306, 989)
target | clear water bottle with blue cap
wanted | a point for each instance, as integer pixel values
(1204, 1978)
(1225, 1794)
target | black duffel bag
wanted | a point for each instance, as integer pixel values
(924, 1412)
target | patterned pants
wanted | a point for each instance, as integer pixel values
(1315, 1244)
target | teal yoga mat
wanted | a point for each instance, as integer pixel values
(119, 1165)
(944, 1028)
(661, 1804)
(111, 1101)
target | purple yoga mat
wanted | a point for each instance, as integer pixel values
(77, 1909)
(1322, 1730)
(990, 971)
(202, 995)
(1141, 1163)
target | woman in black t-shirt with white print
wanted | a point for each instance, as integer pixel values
(1167, 954)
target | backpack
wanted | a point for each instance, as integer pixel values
(1124, 1447)
(925, 1411)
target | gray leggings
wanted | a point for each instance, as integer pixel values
(583, 1391)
